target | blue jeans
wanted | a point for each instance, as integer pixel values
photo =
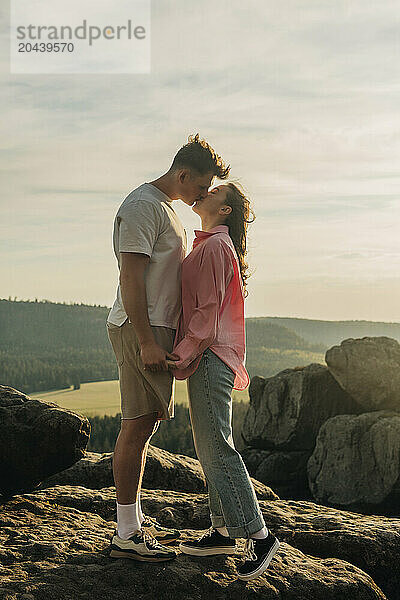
(232, 499)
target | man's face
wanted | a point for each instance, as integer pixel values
(193, 186)
(212, 204)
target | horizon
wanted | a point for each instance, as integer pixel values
(76, 303)
(307, 118)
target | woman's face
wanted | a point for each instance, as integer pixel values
(213, 204)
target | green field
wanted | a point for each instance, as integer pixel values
(102, 397)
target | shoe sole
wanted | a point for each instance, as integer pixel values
(141, 558)
(264, 565)
(205, 551)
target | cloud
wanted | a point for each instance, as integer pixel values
(302, 100)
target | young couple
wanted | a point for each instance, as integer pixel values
(183, 318)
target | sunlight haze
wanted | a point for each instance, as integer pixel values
(302, 99)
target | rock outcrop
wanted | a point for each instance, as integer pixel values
(331, 433)
(303, 430)
(164, 470)
(287, 410)
(37, 439)
(356, 461)
(285, 471)
(281, 425)
(369, 370)
(54, 544)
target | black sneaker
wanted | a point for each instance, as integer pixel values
(209, 544)
(257, 555)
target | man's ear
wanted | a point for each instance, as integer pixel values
(182, 175)
(225, 210)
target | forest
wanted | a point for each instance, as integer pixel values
(47, 345)
(174, 435)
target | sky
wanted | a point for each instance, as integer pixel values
(301, 98)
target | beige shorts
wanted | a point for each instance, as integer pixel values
(142, 392)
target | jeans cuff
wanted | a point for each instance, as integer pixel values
(218, 521)
(246, 530)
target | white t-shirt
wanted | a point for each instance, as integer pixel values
(147, 223)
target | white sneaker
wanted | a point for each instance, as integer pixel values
(140, 546)
(159, 532)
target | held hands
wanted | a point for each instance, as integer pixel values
(155, 358)
(172, 363)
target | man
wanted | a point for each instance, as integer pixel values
(150, 244)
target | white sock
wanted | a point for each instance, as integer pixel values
(139, 510)
(222, 531)
(261, 534)
(127, 520)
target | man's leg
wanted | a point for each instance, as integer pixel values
(146, 397)
(131, 540)
(128, 466)
(130, 456)
(144, 456)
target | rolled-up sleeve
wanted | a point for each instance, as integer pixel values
(211, 281)
(140, 224)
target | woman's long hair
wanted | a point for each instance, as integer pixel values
(237, 221)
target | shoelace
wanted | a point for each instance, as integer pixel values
(148, 521)
(207, 534)
(151, 542)
(249, 553)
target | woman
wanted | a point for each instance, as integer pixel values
(210, 353)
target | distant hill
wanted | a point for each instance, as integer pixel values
(47, 345)
(263, 332)
(330, 333)
(272, 348)
(51, 325)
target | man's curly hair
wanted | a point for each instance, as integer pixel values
(199, 156)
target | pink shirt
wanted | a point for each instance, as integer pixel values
(212, 313)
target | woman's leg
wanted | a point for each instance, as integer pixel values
(210, 404)
(216, 513)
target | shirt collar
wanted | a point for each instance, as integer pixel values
(205, 234)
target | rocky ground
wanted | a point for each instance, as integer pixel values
(321, 429)
(54, 544)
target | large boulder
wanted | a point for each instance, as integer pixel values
(285, 471)
(164, 471)
(356, 461)
(287, 410)
(71, 559)
(369, 370)
(37, 439)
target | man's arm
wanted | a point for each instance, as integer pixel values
(133, 292)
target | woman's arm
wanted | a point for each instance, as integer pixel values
(211, 282)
